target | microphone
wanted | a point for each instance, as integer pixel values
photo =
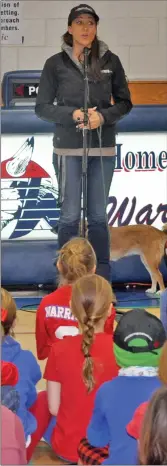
(86, 51)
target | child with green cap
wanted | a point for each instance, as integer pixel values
(138, 341)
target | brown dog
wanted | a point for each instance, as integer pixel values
(146, 241)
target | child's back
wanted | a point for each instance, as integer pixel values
(54, 319)
(78, 365)
(116, 401)
(76, 405)
(138, 342)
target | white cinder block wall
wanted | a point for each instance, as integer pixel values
(136, 30)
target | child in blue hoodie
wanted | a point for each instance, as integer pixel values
(28, 368)
(138, 342)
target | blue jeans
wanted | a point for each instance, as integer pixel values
(70, 214)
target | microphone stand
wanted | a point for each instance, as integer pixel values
(85, 146)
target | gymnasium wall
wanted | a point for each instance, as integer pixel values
(136, 30)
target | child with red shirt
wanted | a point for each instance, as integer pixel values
(78, 365)
(54, 319)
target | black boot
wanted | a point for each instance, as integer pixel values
(66, 232)
(99, 238)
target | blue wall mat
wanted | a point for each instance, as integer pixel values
(32, 262)
(28, 262)
(142, 118)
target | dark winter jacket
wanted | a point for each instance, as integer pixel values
(61, 91)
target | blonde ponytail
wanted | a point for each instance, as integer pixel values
(76, 258)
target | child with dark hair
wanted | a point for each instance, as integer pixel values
(78, 365)
(138, 342)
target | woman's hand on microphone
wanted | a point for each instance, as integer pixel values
(95, 119)
(78, 115)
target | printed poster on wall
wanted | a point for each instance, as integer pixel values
(29, 187)
(11, 22)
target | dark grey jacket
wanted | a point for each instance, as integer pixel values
(62, 81)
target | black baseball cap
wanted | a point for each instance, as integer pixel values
(137, 325)
(80, 10)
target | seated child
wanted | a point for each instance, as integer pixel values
(32, 408)
(54, 319)
(138, 342)
(28, 368)
(78, 365)
(134, 426)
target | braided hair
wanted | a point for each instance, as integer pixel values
(91, 299)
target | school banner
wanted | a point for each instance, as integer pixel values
(29, 189)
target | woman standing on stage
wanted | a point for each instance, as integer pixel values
(62, 80)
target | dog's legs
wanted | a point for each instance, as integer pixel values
(160, 281)
(155, 274)
(153, 288)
